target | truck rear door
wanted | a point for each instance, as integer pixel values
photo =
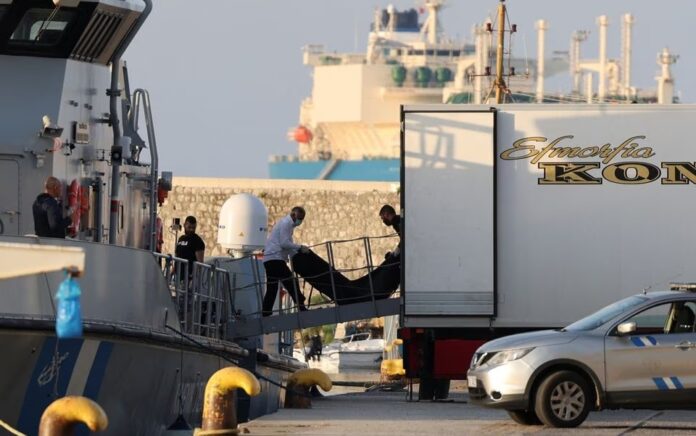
(448, 204)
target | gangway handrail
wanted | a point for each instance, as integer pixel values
(216, 287)
(332, 266)
(369, 267)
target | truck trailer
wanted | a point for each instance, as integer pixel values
(525, 217)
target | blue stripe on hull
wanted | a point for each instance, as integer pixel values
(677, 383)
(49, 380)
(661, 385)
(96, 374)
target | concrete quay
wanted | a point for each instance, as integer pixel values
(388, 413)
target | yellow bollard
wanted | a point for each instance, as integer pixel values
(61, 416)
(219, 412)
(392, 369)
(297, 392)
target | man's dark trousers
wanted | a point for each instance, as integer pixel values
(278, 271)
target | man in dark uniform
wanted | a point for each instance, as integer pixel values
(190, 246)
(390, 218)
(48, 216)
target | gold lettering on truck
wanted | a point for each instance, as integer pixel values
(618, 164)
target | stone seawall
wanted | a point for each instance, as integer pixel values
(335, 211)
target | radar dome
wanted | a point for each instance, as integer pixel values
(243, 223)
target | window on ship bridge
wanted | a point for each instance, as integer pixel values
(42, 26)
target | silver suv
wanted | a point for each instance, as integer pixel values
(637, 353)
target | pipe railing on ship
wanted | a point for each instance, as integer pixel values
(258, 285)
(142, 98)
(201, 296)
(210, 288)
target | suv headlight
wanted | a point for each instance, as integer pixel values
(508, 356)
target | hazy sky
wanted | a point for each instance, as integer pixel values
(226, 76)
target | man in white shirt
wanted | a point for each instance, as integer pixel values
(278, 250)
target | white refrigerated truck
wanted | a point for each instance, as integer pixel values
(522, 217)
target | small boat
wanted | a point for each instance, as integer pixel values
(356, 352)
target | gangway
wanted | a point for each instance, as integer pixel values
(350, 300)
(253, 326)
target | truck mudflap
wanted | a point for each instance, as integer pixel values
(452, 357)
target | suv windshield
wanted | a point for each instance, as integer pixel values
(605, 314)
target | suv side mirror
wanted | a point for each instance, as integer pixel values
(626, 328)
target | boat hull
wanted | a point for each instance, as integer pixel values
(140, 384)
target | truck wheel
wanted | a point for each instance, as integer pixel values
(524, 417)
(563, 399)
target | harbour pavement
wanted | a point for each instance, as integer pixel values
(389, 413)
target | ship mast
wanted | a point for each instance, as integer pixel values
(499, 80)
(499, 84)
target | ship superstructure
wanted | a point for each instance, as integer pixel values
(349, 127)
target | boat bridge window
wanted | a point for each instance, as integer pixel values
(452, 53)
(42, 26)
(3, 9)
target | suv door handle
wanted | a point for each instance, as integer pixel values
(685, 345)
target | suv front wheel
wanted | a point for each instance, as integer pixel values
(563, 399)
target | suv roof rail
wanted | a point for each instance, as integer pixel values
(684, 287)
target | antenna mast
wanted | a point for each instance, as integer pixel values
(499, 80)
(499, 84)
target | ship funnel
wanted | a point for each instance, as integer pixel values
(243, 224)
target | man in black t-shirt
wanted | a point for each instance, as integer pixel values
(389, 217)
(190, 246)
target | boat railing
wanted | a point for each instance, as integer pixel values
(201, 293)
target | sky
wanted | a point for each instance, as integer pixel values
(226, 77)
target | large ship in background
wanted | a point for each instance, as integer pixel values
(351, 131)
